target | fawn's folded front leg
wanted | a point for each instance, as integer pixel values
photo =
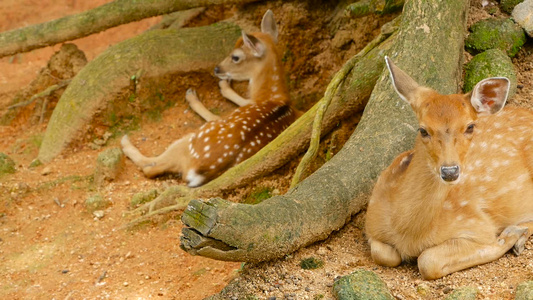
(198, 107)
(459, 254)
(230, 94)
(384, 254)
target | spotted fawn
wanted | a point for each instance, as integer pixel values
(224, 142)
(464, 195)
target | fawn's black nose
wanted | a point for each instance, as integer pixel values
(449, 173)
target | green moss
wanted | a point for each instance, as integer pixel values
(508, 5)
(491, 63)
(524, 291)
(361, 284)
(311, 263)
(463, 293)
(491, 33)
(143, 197)
(7, 165)
(258, 195)
(96, 202)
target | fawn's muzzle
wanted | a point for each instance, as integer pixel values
(449, 173)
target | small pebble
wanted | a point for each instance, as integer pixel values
(46, 171)
(98, 214)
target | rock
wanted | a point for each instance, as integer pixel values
(143, 197)
(508, 5)
(98, 214)
(491, 63)
(96, 202)
(7, 165)
(524, 291)
(501, 34)
(361, 284)
(311, 263)
(522, 14)
(463, 293)
(108, 165)
(46, 171)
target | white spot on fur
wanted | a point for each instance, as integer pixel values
(463, 203)
(212, 167)
(447, 205)
(226, 147)
(219, 160)
(206, 148)
(207, 155)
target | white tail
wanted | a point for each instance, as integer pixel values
(464, 195)
(222, 143)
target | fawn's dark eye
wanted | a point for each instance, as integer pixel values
(424, 133)
(470, 129)
(235, 58)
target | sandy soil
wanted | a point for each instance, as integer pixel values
(51, 248)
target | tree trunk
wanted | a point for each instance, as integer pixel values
(429, 46)
(154, 53)
(95, 20)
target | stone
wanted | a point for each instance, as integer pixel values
(524, 291)
(108, 165)
(493, 33)
(508, 5)
(96, 202)
(143, 197)
(491, 63)
(463, 293)
(523, 15)
(361, 284)
(7, 165)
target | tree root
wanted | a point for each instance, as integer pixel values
(386, 31)
(324, 201)
(293, 139)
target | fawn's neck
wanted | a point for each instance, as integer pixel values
(425, 194)
(269, 82)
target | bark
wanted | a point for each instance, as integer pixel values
(154, 53)
(429, 47)
(92, 21)
(347, 96)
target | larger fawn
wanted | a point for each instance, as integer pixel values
(464, 195)
(222, 143)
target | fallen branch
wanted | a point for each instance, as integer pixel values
(93, 21)
(47, 92)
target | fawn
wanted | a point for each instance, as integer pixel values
(221, 143)
(464, 195)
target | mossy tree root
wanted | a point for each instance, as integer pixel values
(154, 53)
(93, 21)
(429, 46)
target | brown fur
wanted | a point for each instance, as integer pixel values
(222, 143)
(453, 225)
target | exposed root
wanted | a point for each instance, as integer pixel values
(387, 30)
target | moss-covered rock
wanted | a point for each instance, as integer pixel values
(463, 293)
(501, 34)
(108, 165)
(97, 202)
(524, 291)
(491, 63)
(7, 165)
(508, 5)
(143, 197)
(361, 284)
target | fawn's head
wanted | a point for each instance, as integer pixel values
(251, 52)
(447, 123)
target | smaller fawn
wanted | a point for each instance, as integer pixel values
(221, 143)
(464, 195)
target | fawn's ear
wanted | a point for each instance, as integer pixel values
(254, 44)
(268, 25)
(489, 95)
(405, 86)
